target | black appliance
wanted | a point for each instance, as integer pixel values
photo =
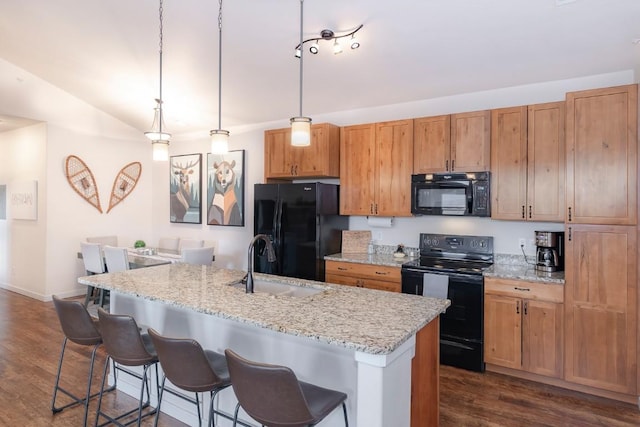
(451, 194)
(462, 259)
(303, 223)
(549, 251)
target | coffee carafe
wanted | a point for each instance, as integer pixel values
(550, 251)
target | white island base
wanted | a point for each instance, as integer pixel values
(379, 387)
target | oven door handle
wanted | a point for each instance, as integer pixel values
(471, 277)
(455, 344)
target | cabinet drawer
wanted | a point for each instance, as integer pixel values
(363, 283)
(524, 289)
(368, 271)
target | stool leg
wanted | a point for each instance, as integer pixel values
(235, 415)
(344, 409)
(104, 376)
(56, 385)
(155, 423)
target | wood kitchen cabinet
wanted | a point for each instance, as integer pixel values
(601, 306)
(371, 276)
(452, 143)
(375, 168)
(528, 162)
(523, 326)
(319, 160)
(602, 158)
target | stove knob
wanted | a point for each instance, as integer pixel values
(474, 243)
(435, 242)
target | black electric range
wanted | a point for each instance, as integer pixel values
(451, 266)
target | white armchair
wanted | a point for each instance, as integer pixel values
(199, 256)
(190, 243)
(117, 259)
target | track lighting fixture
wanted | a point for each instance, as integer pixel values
(329, 35)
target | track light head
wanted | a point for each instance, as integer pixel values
(354, 42)
(314, 48)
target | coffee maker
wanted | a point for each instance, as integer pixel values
(550, 251)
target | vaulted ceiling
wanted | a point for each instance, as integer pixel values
(106, 52)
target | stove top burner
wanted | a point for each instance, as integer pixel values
(452, 253)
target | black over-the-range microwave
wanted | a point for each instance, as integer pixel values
(451, 194)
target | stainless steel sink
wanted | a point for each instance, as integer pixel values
(279, 289)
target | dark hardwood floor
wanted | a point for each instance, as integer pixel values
(30, 339)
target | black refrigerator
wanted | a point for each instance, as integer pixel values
(303, 223)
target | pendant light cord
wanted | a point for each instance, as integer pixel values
(220, 66)
(161, 10)
(301, 53)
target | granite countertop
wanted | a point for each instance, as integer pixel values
(513, 267)
(370, 321)
(377, 259)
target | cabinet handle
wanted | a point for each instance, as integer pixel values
(342, 268)
(296, 170)
(291, 170)
(371, 208)
(521, 289)
(446, 165)
(517, 307)
(569, 233)
(523, 217)
(453, 167)
(525, 308)
(376, 208)
(382, 273)
(569, 213)
(529, 211)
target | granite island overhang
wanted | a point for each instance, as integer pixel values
(358, 340)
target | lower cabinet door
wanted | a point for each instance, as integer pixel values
(503, 331)
(542, 338)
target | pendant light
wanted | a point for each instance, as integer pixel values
(219, 137)
(159, 139)
(301, 126)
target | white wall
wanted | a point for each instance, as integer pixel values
(24, 159)
(47, 264)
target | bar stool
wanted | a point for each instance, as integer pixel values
(191, 368)
(80, 328)
(273, 395)
(128, 347)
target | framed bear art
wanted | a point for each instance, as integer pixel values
(225, 188)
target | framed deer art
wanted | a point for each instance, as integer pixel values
(185, 188)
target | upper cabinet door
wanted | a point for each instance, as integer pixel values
(509, 163)
(546, 162)
(357, 169)
(431, 144)
(602, 141)
(394, 164)
(277, 161)
(471, 142)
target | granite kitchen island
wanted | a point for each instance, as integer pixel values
(380, 348)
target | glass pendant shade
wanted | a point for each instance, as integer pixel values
(219, 141)
(300, 131)
(156, 133)
(160, 150)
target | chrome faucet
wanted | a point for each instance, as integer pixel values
(271, 257)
